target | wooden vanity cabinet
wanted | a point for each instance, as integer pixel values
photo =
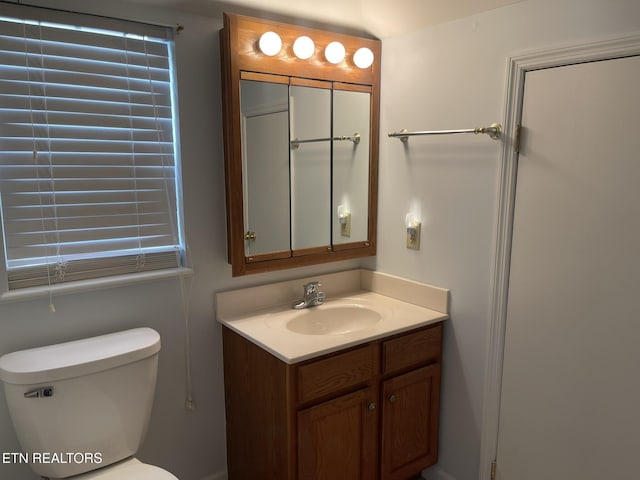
(410, 408)
(338, 438)
(410, 402)
(366, 413)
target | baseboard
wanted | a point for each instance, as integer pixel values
(436, 473)
(216, 476)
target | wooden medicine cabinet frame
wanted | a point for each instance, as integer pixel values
(242, 59)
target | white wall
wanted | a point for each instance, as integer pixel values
(190, 444)
(453, 76)
(448, 76)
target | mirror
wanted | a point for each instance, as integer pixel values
(300, 149)
(351, 113)
(310, 167)
(265, 115)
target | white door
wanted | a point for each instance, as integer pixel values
(570, 402)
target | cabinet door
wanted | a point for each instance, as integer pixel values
(338, 439)
(410, 422)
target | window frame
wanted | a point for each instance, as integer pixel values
(87, 21)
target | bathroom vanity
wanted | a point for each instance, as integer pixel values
(359, 400)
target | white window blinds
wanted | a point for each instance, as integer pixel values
(88, 163)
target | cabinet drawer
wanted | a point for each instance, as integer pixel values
(424, 346)
(336, 373)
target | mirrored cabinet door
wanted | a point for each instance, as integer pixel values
(350, 212)
(310, 117)
(265, 153)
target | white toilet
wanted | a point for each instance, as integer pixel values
(80, 409)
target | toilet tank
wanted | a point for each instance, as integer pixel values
(82, 405)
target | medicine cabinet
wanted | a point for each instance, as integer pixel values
(301, 147)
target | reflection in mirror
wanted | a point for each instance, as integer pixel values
(310, 167)
(265, 120)
(350, 211)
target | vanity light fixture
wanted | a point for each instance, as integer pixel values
(335, 52)
(363, 58)
(303, 47)
(270, 43)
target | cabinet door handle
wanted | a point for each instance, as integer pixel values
(372, 406)
(392, 398)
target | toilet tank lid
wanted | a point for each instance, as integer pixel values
(79, 357)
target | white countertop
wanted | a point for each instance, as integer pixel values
(267, 326)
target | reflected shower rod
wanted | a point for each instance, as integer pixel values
(494, 131)
(355, 138)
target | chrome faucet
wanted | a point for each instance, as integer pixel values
(312, 296)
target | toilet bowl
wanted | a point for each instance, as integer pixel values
(81, 409)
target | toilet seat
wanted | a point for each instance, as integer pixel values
(131, 469)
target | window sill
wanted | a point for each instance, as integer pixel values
(88, 285)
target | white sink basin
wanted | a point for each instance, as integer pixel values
(342, 321)
(338, 319)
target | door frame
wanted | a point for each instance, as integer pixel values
(518, 66)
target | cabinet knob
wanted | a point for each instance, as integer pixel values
(372, 406)
(392, 398)
(250, 235)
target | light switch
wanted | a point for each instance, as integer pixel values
(345, 225)
(413, 236)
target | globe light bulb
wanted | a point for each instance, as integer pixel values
(270, 43)
(334, 53)
(303, 47)
(363, 58)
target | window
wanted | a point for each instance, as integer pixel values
(88, 148)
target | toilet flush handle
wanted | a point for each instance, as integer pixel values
(39, 392)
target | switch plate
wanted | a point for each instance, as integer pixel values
(413, 236)
(345, 225)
